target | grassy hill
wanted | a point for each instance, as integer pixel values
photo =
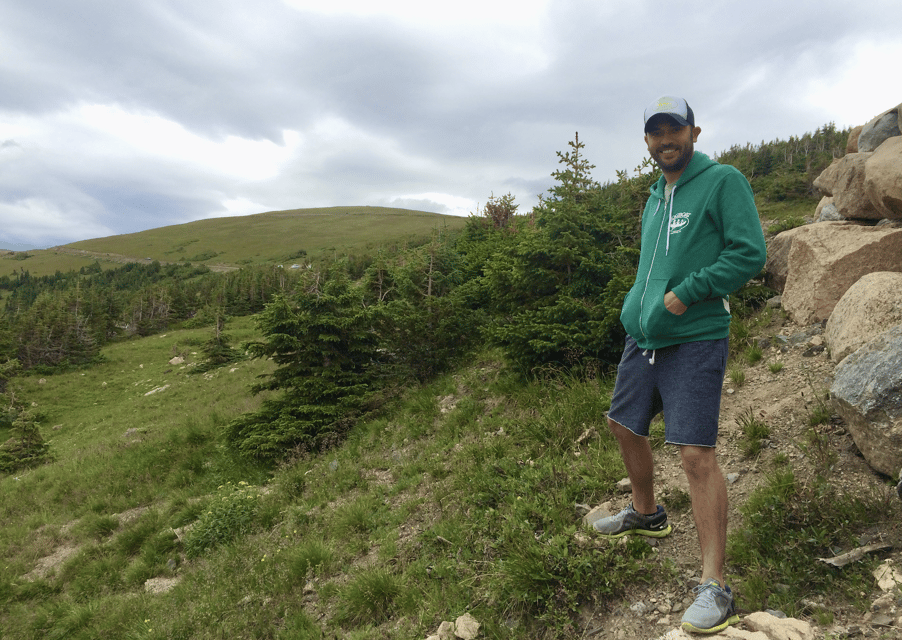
(274, 237)
(460, 498)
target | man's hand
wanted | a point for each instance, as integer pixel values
(673, 304)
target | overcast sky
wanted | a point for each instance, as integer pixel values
(118, 116)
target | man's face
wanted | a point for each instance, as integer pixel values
(671, 146)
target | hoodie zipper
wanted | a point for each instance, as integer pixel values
(654, 255)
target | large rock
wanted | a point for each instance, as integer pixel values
(883, 179)
(826, 258)
(867, 393)
(881, 128)
(848, 188)
(826, 180)
(779, 628)
(852, 142)
(776, 266)
(870, 306)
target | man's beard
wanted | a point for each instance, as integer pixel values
(676, 163)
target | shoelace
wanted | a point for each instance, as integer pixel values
(707, 592)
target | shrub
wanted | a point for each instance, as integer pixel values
(26, 447)
(230, 514)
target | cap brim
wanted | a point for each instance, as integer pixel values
(676, 118)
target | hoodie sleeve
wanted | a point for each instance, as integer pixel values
(732, 208)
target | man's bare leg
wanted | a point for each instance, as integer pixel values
(709, 507)
(636, 453)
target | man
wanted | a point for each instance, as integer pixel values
(701, 240)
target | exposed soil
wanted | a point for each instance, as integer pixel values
(784, 400)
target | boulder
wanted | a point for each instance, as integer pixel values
(852, 142)
(883, 179)
(826, 258)
(848, 188)
(827, 179)
(820, 205)
(867, 394)
(776, 265)
(779, 628)
(870, 306)
(881, 128)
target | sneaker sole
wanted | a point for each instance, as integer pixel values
(688, 626)
(663, 533)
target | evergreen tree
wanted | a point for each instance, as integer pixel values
(558, 288)
(322, 342)
(26, 447)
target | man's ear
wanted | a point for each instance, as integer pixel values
(695, 132)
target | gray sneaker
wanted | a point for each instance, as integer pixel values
(713, 609)
(631, 521)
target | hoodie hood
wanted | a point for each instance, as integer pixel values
(697, 165)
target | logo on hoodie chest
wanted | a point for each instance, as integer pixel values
(679, 221)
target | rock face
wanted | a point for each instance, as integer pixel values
(852, 142)
(870, 306)
(848, 188)
(776, 267)
(881, 128)
(867, 394)
(883, 179)
(826, 258)
(826, 181)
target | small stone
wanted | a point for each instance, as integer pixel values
(466, 627)
(639, 608)
(881, 620)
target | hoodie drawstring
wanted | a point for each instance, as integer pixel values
(652, 359)
(669, 220)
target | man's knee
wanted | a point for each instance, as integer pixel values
(620, 432)
(698, 462)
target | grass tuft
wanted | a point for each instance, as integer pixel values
(754, 431)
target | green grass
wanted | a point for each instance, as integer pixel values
(459, 497)
(787, 525)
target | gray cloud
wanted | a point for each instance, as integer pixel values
(245, 107)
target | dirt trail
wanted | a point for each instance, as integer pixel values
(784, 400)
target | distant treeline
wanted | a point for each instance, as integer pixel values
(546, 287)
(785, 169)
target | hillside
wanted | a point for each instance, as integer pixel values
(409, 510)
(275, 237)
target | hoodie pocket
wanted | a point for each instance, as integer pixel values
(657, 321)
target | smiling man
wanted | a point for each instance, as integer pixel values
(701, 240)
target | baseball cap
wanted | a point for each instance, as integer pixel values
(676, 108)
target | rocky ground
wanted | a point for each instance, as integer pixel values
(784, 400)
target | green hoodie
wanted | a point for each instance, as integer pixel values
(714, 246)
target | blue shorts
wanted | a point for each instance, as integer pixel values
(685, 382)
